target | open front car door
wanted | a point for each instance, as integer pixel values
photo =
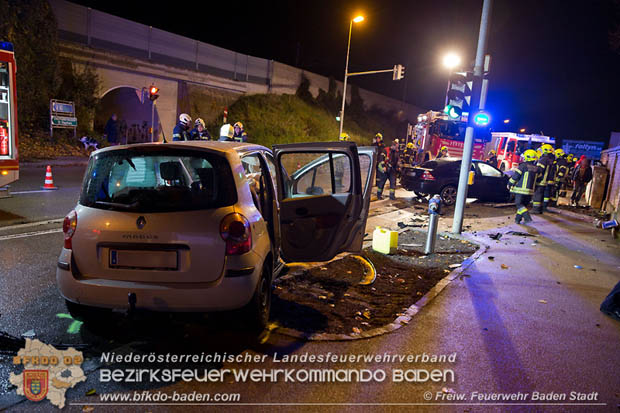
(324, 192)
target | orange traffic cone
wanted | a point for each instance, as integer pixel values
(49, 182)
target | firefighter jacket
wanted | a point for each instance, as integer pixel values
(561, 170)
(200, 136)
(382, 162)
(524, 178)
(546, 164)
(180, 133)
(409, 155)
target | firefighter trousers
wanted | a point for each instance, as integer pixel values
(383, 178)
(521, 202)
(553, 194)
(541, 198)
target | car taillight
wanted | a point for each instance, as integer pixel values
(68, 227)
(235, 230)
(428, 176)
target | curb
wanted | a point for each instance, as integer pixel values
(59, 162)
(575, 215)
(411, 311)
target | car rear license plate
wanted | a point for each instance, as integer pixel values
(166, 260)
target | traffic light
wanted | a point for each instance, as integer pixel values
(153, 93)
(399, 72)
(459, 94)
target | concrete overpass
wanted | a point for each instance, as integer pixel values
(128, 57)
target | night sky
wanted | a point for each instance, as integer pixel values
(552, 68)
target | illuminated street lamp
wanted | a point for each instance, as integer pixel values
(522, 130)
(506, 121)
(346, 70)
(451, 61)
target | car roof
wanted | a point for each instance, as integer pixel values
(217, 146)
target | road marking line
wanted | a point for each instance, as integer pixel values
(33, 224)
(30, 192)
(30, 234)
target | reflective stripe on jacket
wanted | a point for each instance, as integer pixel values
(524, 179)
(546, 164)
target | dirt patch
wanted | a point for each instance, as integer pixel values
(329, 299)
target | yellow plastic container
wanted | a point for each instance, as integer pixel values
(384, 240)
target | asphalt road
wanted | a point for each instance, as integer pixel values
(30, 204)
(532, 327)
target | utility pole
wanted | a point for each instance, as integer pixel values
(461, 196)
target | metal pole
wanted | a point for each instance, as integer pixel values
(152, 120)
(461, 196)
(344, 89)
(432, 234)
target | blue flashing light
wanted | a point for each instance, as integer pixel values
(8, 46)
(482, 119)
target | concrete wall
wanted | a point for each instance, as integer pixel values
(611, 159)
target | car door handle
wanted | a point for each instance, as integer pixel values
(301, 211)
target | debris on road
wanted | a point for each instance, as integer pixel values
(496, 237)
(491, 258)
(520, 234)
(542, 301)
(504, 267)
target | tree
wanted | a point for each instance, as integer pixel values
(31, 26)
(79, 85)
(303, 90)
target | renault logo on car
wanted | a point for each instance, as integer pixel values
(141, 222)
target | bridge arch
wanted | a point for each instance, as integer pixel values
(133, 112)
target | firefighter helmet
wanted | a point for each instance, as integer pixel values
(410, 145)
(238, 124)
(570, 157)
(379, 137)
(200, 122)
(559, 153)
(530, 155)
(492, 152)
(546, 148)
(185, 119)
(344, 137)
(443, 148)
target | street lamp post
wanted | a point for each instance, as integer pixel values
(346, 72)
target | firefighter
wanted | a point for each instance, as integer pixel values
(344, 137)
(181, 130)
(541, 193)
(554, 180)
(522, 185)
(200, 133)
(492, 159)
(562, 171)
(443, 152)
(388, 169)
(409, 153)
(378, 143)
(239, 135)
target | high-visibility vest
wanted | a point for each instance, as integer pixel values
(524, 179)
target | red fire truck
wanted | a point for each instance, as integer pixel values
(435, 130)
(509, 146)
(9, 161)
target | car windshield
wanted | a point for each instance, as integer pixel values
(158, 180)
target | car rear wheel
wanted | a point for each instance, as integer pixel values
(448, 195)
(259, 307)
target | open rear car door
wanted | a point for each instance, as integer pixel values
(324, 192)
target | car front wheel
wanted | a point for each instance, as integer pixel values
(448, 195)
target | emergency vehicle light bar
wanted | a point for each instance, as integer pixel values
(8, 46)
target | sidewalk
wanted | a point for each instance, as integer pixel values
(535, 326)
(61, 161)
